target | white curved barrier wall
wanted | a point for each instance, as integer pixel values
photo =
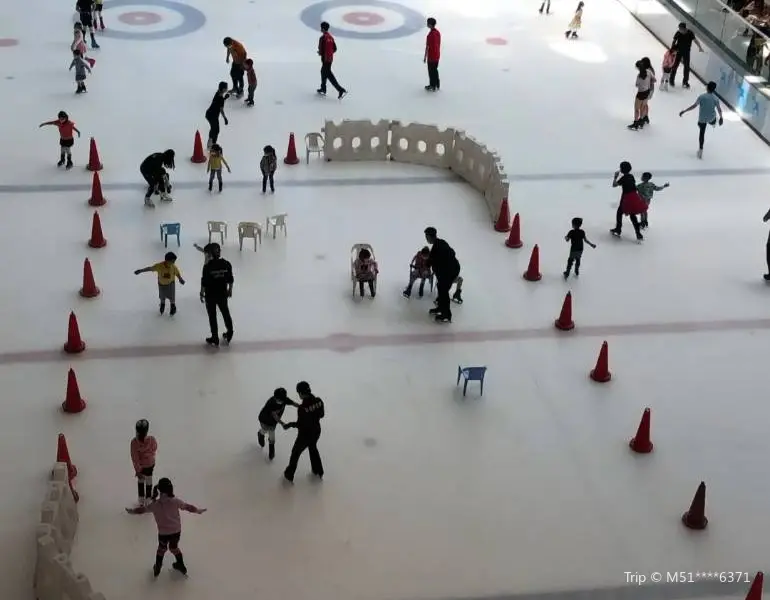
(421, 144)
(55, 579)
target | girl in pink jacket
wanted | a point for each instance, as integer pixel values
(143, 450)
(165, 508)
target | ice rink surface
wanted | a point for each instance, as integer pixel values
(529, 489)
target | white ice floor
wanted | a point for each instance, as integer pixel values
(532, 487)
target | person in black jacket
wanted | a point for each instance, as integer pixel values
(308, 425)
(682, 45)
(446, 268)
(216, 287)
(153, 169)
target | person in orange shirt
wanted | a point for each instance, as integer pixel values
(237, 53)
(432, 55)
(67, 130)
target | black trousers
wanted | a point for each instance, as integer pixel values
(327, 75)
(443, 285)
(236, 74)
(212, 304)
(155, 182)
(684, 60)
(213, 127)
(265, 178)
(767, 255)
(305, 441)
(433, 79)
(619, 221)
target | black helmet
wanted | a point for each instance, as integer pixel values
(142, 427)
(63, 115)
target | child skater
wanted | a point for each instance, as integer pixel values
(80, 66)
(143, 450)
(576, 23)
(98, 7)
(420, 269)
(631, 203)
(165, 508)
(251, 79)
(268, 165)
(270, 417)
(669, 59)
(66, 138)
(79, 44)
(214, 166)
(153, 169)
(647, 190)
(168, 273)
(365, 271)
(576, 236)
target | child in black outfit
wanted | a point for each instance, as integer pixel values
(268, 165)
(576, 237)
(270, 417)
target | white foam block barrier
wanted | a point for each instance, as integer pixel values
(420, 144)
(351, 141)
(473, 162)
(497, 187)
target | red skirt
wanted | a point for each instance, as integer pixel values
(632, 203)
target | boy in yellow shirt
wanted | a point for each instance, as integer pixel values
(168, 273)
(214, 167)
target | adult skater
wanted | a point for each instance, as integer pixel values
(216, 288)
(446, 268)
(681, 45)
(217, 108)
(236, 52)
(765, 219)
(153, 169)
(708, 108)
(645, 84)
(85, 9)
(326, 50)
(308, 425)
(432, 55)
(631, 203)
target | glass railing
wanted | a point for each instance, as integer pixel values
(742, 28)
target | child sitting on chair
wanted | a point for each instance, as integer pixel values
(365, 271)
(420, 269)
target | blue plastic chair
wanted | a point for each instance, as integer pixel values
(167, 229)
(471, 374)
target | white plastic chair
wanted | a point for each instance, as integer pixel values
(353, 256)
(219, 227)
(313, 145)
(277, 222)
(249, 229)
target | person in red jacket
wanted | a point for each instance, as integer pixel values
(432, 55)
(326, 49)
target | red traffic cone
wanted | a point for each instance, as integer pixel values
(198, 155)
(565, 322)
(97, 198)
(291, 152)
(94, 164)
(601, 372)
(533, 270)
(73, 401)
(74, 344)
(641, 443)
(514, 238)
(89, 289)
(97, 237)
(755, 591)
(695, 518)
(503, 222)
(63, 456)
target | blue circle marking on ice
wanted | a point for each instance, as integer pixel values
(192, 21)
(413, 21)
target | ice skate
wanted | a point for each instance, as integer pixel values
(213, 341)
(148, 202)
(261, 439)
(615, 232)
(164, 197)
(60, 163)
(700, 153)
(69, 163)
(227, 337)
(271, 451)
(180, 567)
(457, 298)
(441, 318)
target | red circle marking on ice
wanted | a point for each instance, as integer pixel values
(363, 19)
(497, 41)
(8, 42)
(139, 18)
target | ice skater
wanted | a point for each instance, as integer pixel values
(215, 109)
(576, 237)
(327, 47)
(81, 69)
(765, 219)
(446, 268)
(216, 289)
(708, 107)
(251, 78)
(237, 52)
(268, 166)
(168, 273)
(67, 130)
(214, 166)
(631, 203)
(165, 508)
(144, 448)
(669, 58)
(153, 169)
(98, 9)
(85, 9)
(270, 417)
(645, 84)
(420, 269)
(432, 55)
(576, 23)
(308, 426)
(546, 5)
(647, 190)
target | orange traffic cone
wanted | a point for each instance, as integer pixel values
(565, 322)
(291, 152)
(503, 222)
(73, 401)
(533, 270)
(94, 164)
(641, 442)
(755, 591)
(89, 289)
(97, 198)
(63, 456)
(74, 344)
(514, 238)
(198, 155)
(601, 372)
(695, 518)
(97, 237)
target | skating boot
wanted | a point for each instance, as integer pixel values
(421, 290)
(172, 310)
(69, 163)
(635, 126)
(443, 319)
(566, 274)
(213, 341)
(148, 202)
(700, 153)
(766, 277)
(162, 308)
(164, 197)
(433, 311)
(261, 439)
(61, 161)
(179, 565)
(458, 297)
(271, 451)
(101, 23)
(94, 45)
(227, 337)
(156, 568)
(615, 232)
(407, 293)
